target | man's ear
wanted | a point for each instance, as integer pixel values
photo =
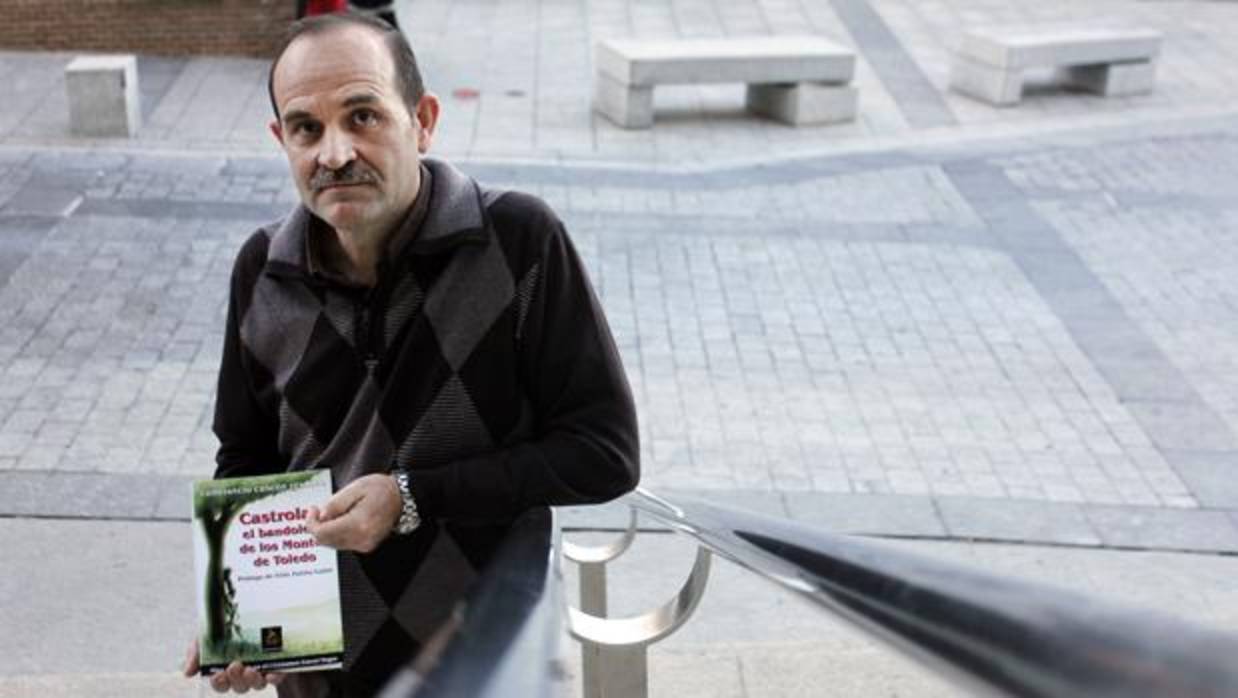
(277, 131)
(427, 119)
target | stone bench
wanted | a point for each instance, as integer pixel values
(989, 63)
(795, 79)
(103, 95)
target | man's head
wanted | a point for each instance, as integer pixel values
(407, 73)
(353, 117)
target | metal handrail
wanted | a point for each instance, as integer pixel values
(503, 640)
(998, 635)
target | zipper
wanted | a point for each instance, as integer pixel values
(363, 320)
(371, 310)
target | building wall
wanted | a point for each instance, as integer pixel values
(168, 27)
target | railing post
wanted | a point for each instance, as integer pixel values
(619, 672)
(596, 663)
(609, 672)
(593, 602)
(614, 651)
(593, 588)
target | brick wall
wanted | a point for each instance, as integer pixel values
(168, 27)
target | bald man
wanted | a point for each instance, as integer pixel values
(435, 343)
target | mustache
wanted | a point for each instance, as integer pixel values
(352, 173)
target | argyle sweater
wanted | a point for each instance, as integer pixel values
(480, 361)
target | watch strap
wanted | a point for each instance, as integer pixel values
(409, 519)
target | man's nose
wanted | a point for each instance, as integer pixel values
(335, 149)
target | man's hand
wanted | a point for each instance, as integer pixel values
(358, 517)
(237, 677)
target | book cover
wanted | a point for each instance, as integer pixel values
(268, 594)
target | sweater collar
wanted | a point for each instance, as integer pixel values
(455, 216)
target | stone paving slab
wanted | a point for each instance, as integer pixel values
(1213, 475)
(1178, 530)
(38, 199)
(84, 495)
(94, 599)
(917, 99)
(987, 519)
(106, 685)
(21, 235)
(876, 514)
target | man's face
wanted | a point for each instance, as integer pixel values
(351, 143)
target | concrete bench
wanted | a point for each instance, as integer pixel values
(989, 63)
(795, 79)
(103, 95)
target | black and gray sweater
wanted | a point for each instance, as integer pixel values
(481, 361)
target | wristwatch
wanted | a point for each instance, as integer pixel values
(409, 518)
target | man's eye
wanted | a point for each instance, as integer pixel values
(304, 129)
(364, 117)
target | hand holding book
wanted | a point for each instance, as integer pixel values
(237, 677)
(358, 517)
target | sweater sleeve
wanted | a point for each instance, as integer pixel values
(247, 433)
(585, 446)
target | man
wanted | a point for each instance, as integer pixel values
(434, 343)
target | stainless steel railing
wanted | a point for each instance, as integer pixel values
(996, 635)
(990, 634)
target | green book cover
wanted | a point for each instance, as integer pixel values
(268, 594)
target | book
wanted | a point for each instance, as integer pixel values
(268, 594)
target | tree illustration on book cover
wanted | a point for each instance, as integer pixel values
(268, 593)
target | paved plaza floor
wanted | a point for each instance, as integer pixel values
(1008, 335)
